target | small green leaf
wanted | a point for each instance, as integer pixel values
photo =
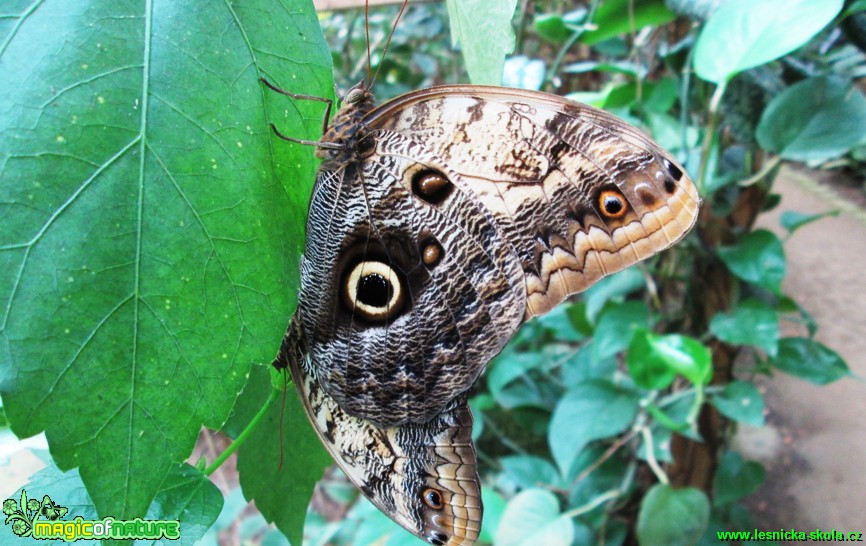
(528, 471)
(282, 494)
(672, 517)
(550, 27)
(736, 478)
(615, 326)
(590, 411)
(817, 119)
(741, 401)
(809, 360)
(792, 220)
(742, 34)
(751, 322)
(484, 31)
(758, 258)
(615, 17)
(533, 517)
(654, 360)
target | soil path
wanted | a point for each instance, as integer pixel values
(815, 443)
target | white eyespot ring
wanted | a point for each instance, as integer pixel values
(373, 290)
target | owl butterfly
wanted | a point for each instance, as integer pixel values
(440, 222)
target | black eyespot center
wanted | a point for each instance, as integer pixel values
(433, 498)
(374, 290)
(612, 204)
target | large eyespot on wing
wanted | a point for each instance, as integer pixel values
(423, 476)
(578, 192)
(408, 289)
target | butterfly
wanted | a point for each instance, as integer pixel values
(439, 223)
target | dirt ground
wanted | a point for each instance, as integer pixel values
(815, 443)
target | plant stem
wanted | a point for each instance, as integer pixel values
(651, 456)
(243, 435)
(710, 140)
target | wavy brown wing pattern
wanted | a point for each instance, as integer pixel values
(421, 475)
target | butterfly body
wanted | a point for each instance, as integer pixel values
(441, 221)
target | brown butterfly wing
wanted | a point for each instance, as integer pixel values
(578, 192)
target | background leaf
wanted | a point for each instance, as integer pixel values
(809, 360)
(742, 34)
(751, 322)
(533, 517)
(741, 401)
(672, 517)
(736, 478)
(592, 410)
(758, 257)
(483, 30)
(279, 477)
(793, 220)
(816, 119)
(151, 223)
(616, 17)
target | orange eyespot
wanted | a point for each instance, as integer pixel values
(612, 204)
(432, 498)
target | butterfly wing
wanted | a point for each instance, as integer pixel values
(578, 192)
(423, 476)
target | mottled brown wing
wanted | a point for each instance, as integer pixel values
(578, 193)
(423, 476)
(449, 216)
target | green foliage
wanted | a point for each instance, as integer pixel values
(153, 225)
(533, 517)
(758, 258)
(816, 119)
(755, 33)
(672, 517)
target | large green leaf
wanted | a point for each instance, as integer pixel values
(742, 34)
(152, 222)
(653, 360)
(483, 30)
(814, 120)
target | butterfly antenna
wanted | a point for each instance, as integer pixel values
(367, 31)
(387, 43)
